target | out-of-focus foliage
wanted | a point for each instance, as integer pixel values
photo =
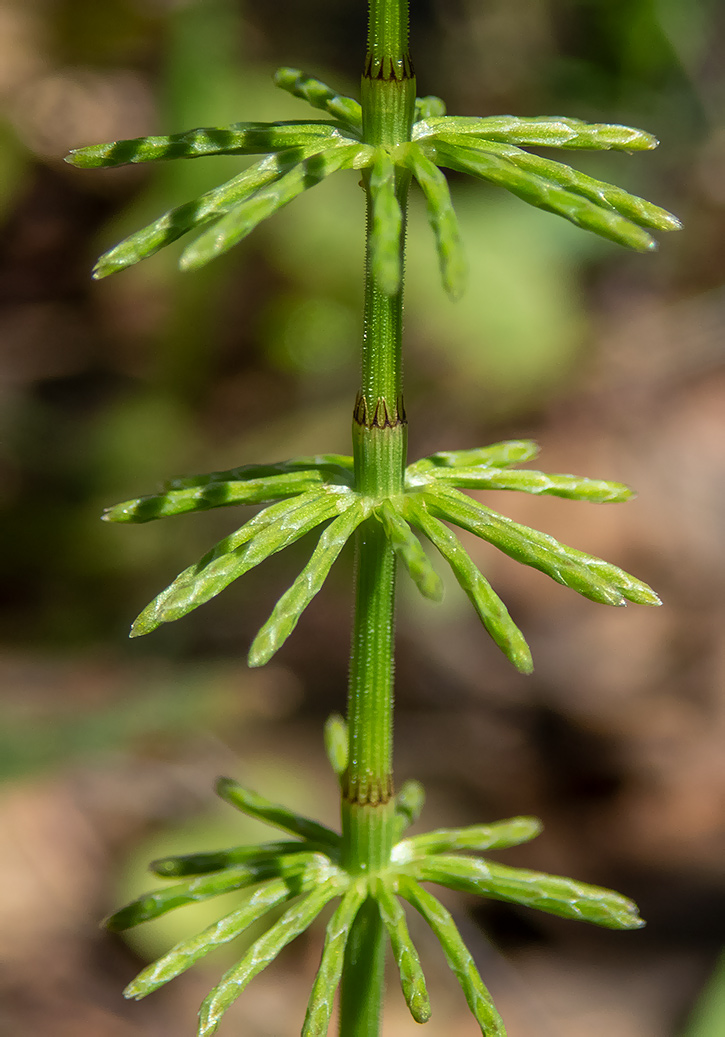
(708, 1017)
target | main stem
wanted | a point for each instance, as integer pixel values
(379, 447)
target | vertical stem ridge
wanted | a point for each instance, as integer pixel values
(361, 1001)
(388, 56)
(369, 775)
(379, 442)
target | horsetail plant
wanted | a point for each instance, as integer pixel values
(370, 868)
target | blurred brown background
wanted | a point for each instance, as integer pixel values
(612, 361)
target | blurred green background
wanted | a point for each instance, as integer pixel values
(613, 361)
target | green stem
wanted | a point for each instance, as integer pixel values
(388, 56)
(379, 448)
(361, 1000)
(368, 781)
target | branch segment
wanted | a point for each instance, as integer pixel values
(241, 138)
(256, 806)
(267, 533)
(327, 980)
(498, 836)
(493, 613)
(590, 576)
(551, 893)
(549, 131)
(266, 898)
(544, 193)
(319, 95)
(406, 956)
(291, 605)
(263, 951)
(458, 956)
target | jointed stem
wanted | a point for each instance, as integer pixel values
(379, 440)
(369, 777)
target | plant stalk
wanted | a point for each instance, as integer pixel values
(379, 449)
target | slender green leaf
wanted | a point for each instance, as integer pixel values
(551, 893)
(498, 455)
(386, 225)
(457, 955)
(294, 601)
(264, 950)
(232, 557)
(254, 805)
(216, 860)
(497, 836)
(639, 210)
(337, 743)
(544, 131)
(208, 206)
(594, 578)
(544, 194)
(406, 956)
(573, 487)
(409, 802)
(492, 611)
(241, 138)
(161, 901)
(409, 550)
(240, 221)
(181, 957)
(322, 995)
(443, 221)
(319, 95)
(215, 494)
